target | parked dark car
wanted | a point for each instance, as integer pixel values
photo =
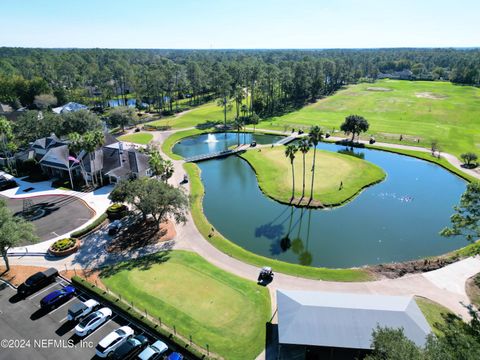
(130, 348)
(37, 281)
(57, 297)
(6, 184)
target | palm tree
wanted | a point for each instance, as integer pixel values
(76, 146)
(304, 148)
(227, 106)
(314, 137)
(91, 142)
(156, 163)
(238, 124)
(244, 111)
(238, 95)
(168, 169)
(290, 151)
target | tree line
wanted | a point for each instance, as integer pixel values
(268, 82)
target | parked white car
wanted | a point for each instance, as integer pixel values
(153, 351)
(93, 321)
(113, 340)
(79, 310)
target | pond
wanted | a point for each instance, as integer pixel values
(396, 220)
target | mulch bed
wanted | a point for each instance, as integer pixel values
(141, 235)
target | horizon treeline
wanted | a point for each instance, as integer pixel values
(272, 81)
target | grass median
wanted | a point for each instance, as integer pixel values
(137, 138)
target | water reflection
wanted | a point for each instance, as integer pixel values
(351, 152)
(289, 238)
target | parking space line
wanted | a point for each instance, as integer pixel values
(65, 303)
(105, 323)
(41, 292)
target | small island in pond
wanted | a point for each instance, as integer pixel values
(338, 177)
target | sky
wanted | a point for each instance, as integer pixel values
(222, 24)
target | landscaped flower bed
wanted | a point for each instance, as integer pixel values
(64, 247)
(116, 211)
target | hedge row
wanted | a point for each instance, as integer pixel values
(89, 228)
(127, 310)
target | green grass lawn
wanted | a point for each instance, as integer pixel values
(420, 109)
(217, 308)
(433, 312)
(228, 247)
(274, 175)
(203, 115)
(141, 138)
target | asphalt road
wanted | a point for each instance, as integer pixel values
(61, 214)
(27, 332)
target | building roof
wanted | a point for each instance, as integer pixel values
(47, 142)
(69, 107)
(132, 161)
(59, 157)
(345, 320)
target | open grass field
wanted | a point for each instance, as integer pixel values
(217, 308)
(202, 116)
(274, 175)
(433, 312)
(416, 109)
(137, 138)
(216, 239)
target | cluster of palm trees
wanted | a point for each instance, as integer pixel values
(315, 135)
(87, 143)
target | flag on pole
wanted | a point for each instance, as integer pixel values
(75, 160)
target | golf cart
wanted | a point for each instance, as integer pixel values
(265, 276)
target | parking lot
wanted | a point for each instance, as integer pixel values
(28, 332)
(56, 210)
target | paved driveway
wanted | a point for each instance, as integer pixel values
(61, 214)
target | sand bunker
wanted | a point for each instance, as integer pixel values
(378, 89)
(430, 95)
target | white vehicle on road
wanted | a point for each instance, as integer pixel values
(93, 321)
(80, 309)
(113, 340)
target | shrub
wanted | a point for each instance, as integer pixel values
(89, 228)
(117, 211)
(63, 244)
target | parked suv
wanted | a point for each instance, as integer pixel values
(37, 281)
(57, 297)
